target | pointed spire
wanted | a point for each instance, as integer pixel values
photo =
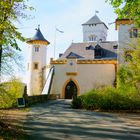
(38, 37)
(94, 20)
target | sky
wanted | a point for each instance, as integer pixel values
(66, 15)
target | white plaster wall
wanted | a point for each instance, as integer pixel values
(34, 81)
(59, 78)
(92, 76)
(99, 30)
(71, 65)
(89, 76)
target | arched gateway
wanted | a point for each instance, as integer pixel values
(70, 90)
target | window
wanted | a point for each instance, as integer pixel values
(133, 33)
(35, 66)
(128, 55)
(36, 49)
(92, 38)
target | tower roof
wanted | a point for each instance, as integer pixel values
(38, 38)
(94, 20)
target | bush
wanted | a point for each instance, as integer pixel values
(109, 98)
(9, 92)
(76, 102)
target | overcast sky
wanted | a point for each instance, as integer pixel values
(66, 15)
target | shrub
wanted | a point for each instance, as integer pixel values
(76, 102)
(9, 92)
(109, 98)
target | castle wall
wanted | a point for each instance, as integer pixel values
(87, 76)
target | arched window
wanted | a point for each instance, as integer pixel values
(128, 55)
(92, 38)
(98, 51)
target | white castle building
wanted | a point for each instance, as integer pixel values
(82, 67)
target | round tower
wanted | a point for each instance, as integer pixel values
(94, 30)
(36, 63)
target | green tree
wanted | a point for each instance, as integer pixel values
(129, 9)
(129, 74)
(10, 11)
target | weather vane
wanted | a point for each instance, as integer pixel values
(38, 26)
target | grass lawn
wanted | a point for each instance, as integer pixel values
(11, 124)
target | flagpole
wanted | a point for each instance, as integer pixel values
(54, 41)
(56, 30)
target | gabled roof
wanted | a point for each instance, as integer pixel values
(94, 20)
(81, 49)
(38, 37)
(73, 55)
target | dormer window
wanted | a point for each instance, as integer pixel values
(90, 47)
(98, 51)
(115, 47)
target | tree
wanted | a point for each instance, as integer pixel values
(12, 90)
(10, 11)
(129, 9)
(129, 74)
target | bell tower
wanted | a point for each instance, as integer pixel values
(94, 30)
(36, 63)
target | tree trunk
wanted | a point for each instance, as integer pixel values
(0, 60)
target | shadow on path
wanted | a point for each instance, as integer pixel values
(55, 120)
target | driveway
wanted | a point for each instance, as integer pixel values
(55, 120)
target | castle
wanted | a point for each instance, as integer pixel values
(83, 66)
